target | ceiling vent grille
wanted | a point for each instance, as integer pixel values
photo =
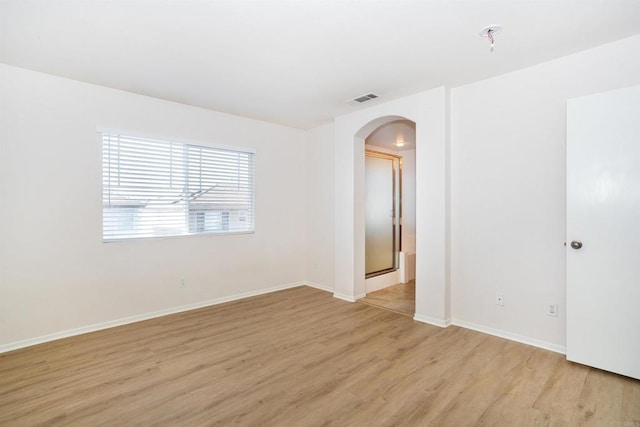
(365, 98)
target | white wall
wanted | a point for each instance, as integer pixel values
(319, 206)
(57, 274)
(508, 189)
(408, 200)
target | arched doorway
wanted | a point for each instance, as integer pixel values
(428, 111)
(390, 217)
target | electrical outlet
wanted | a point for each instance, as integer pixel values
(499, 298)
(182, 284)
(552, 310)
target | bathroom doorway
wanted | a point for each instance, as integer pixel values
(390, 217)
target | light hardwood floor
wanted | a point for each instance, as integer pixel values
(300, 357)
(400, 298)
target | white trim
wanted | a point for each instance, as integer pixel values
(318, 286)
(178, 236)
(344, 297)
(383, 281)
(140, 317)
(349, 298)
(511, 336)
(431, 320)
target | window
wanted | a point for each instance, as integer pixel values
(153, 188)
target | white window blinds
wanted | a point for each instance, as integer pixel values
(154, 188)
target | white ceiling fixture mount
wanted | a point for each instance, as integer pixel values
(490, 31)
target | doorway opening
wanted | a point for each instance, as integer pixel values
(389, 210)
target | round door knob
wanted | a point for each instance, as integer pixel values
(576, 244)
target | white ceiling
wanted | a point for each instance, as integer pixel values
(297, 62)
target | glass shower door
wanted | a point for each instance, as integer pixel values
(380, 236)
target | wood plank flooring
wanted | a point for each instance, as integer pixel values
(400, 298)
(302, 358)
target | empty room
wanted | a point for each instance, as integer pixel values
(323, 212)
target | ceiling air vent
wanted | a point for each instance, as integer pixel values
(365, 98)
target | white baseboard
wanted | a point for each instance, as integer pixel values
(140, 317)
(344, 297)
(431, 320)
(382, 281)
(511, 336)
(348, 298)
(146, 316)
(318, 286)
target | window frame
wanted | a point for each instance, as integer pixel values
(249, 211)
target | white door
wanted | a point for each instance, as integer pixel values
(603, 231)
